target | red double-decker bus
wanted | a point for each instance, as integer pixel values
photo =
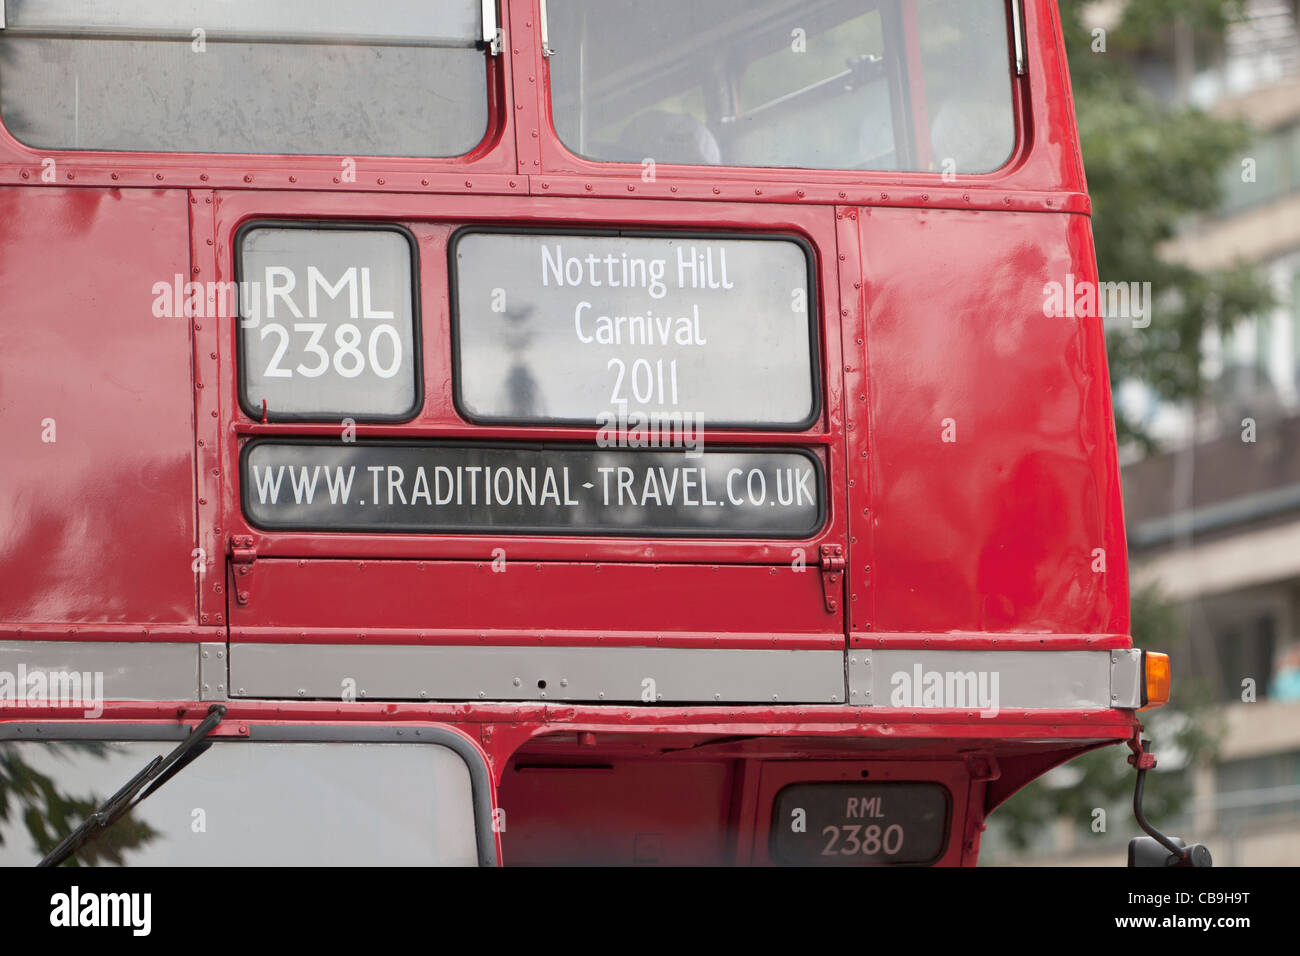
(553, 431)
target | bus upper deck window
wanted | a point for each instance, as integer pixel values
(910, 85)
(364, 77)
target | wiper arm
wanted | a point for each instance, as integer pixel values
(153, 776)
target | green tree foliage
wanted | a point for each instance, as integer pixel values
(48, 814)
(1151, 168)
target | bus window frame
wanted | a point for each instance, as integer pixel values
(559, 160)
(254, 731)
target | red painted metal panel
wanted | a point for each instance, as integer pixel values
(994, 472)
(592, 811)
(207, 426)
(97, 526)
(734, 602)
(534, 603)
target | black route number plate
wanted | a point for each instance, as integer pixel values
(847, 824)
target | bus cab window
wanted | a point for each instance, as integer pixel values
(910, 85)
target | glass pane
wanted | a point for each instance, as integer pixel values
(432, 488)
(452, 22)
(836, 84)
(1260, 175)
(966, 62)
(810, 131)
(327, 323)
(591, 329)
(387, 79)
(247, 804)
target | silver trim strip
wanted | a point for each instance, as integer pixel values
(990, 681)
(589, 674)
(213, 672)
(859, 674)
(151, 671)
(1126, 678)
(143, 670)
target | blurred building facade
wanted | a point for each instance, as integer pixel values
(1214, 521)
(1213, 518)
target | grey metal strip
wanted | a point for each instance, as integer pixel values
(859, 675)
(212, 672)
(121, 670)
(593, 674)
(990, 681)
(1126, 678)
(982, 680)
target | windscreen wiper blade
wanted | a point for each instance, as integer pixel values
(154, 775)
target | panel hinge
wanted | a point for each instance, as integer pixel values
(832, 563)
(242, 558)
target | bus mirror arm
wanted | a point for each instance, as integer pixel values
(1156, 849)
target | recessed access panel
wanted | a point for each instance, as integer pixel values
(619, 543)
